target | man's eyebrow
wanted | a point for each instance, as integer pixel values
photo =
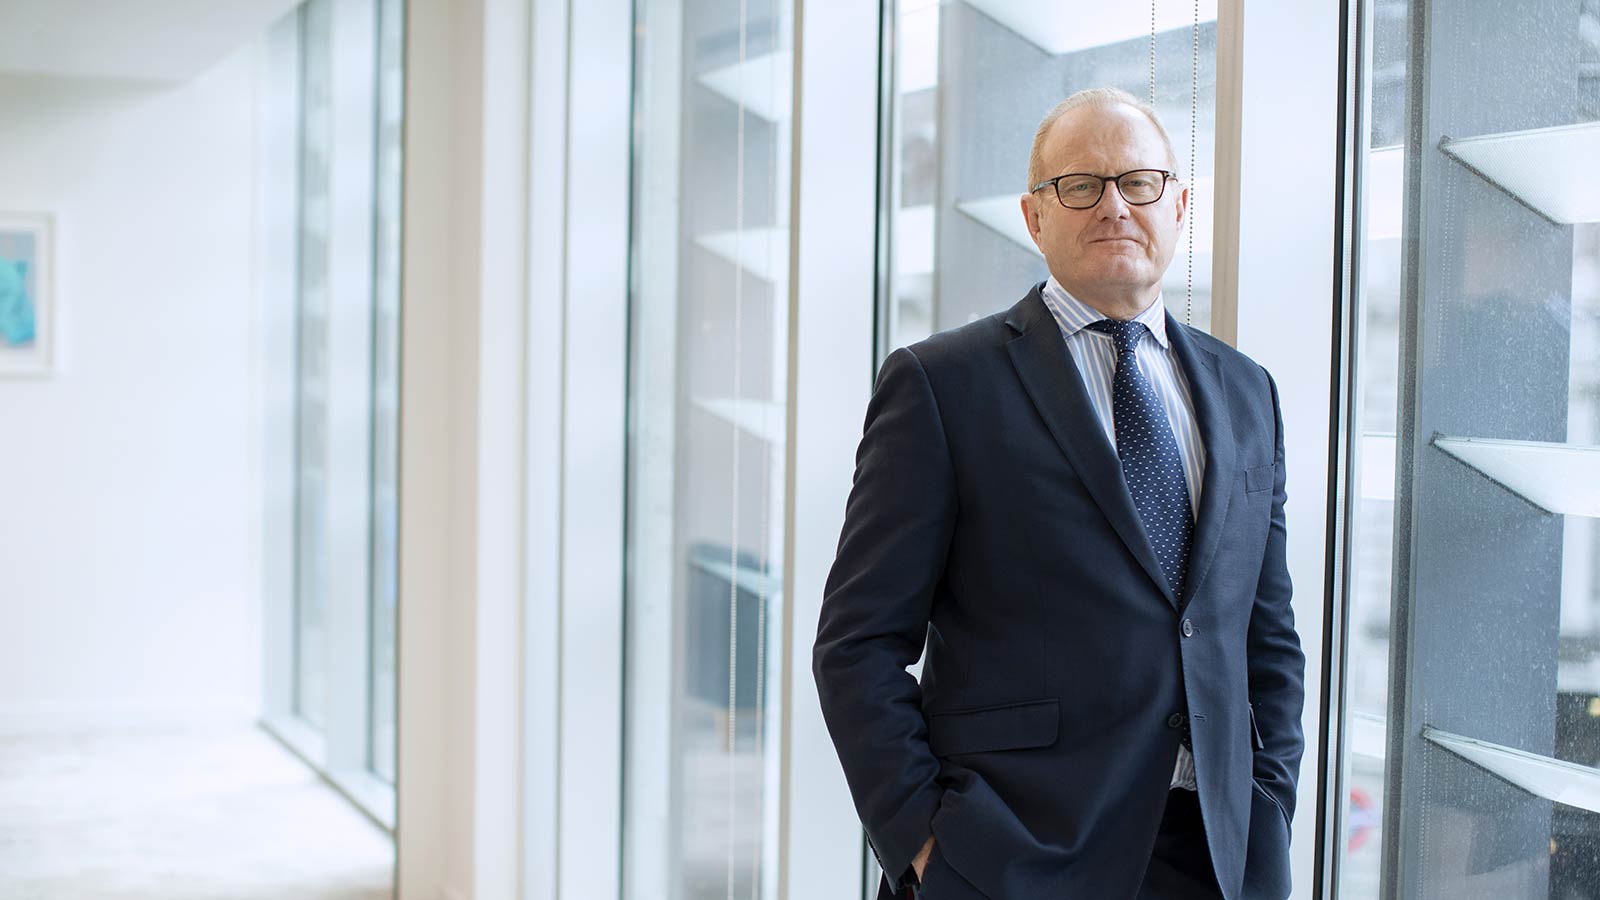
(1091, 171)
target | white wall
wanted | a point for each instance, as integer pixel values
(129, 549)
(438, 401)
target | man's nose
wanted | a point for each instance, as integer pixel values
(1111, 205)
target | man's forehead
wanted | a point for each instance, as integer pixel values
(1099, 136)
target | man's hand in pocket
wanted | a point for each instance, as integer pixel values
(921, 862)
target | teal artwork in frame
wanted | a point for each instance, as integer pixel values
(27, 302)
(16, 308)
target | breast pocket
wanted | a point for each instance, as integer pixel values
(1007, 726)
(1259, 478)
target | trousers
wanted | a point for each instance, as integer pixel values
(1180, 865)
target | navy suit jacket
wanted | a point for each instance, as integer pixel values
(989, 521)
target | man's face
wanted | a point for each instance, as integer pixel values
(1111, 248)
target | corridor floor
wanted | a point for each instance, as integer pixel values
(220, 812)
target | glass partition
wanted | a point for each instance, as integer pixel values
(1471, 686)
(386, 387)
(311, 458)
(1375, 408)
(707, 396)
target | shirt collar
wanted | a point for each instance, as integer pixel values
(1074, 315)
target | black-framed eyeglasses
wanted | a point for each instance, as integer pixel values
(1082, 190)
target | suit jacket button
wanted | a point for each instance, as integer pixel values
(1188, 628)
(1174, 720)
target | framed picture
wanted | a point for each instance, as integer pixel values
(27, 295)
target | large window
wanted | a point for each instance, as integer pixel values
(311, 513)
(706, 412)
(1471, 690)
(386, 389)
(1367, 625)
(336, 702)
(970, 82)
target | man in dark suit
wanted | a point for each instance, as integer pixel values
(1076, 506)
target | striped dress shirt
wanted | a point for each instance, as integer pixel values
(1096, 358)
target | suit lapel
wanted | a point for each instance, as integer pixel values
(1206, 389)
(1050, 376)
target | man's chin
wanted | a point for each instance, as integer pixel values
(1112, 276)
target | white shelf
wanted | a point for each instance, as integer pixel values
(750, 579)
(764, 419)
(1521, 162)
(1058, 28)
(1559, 478)
(1552, 779)
(1001, 214)
(762, 84)
(763, 252)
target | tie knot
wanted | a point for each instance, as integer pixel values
(1124, 332)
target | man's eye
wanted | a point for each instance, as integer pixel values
(1081, 187)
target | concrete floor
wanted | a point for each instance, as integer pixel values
(179, 813)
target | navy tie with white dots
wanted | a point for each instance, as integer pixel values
(1151, 463)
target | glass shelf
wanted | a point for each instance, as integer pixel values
(1056, 30)
(1520, 162)
(1559, 478)
(750, 578)
(1003, 215)
(762, 84)
(1541, 776)
(765, 419)
(764, 251)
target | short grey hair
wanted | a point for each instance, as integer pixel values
(1100, 96)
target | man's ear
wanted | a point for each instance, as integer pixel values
(1030, 217)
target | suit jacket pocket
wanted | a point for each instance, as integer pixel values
(1009, 726)
(1259, 478)
(1283, 816)
(1266, 866)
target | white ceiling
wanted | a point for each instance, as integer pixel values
(144, 40)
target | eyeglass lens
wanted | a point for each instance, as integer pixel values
(1138, 187)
